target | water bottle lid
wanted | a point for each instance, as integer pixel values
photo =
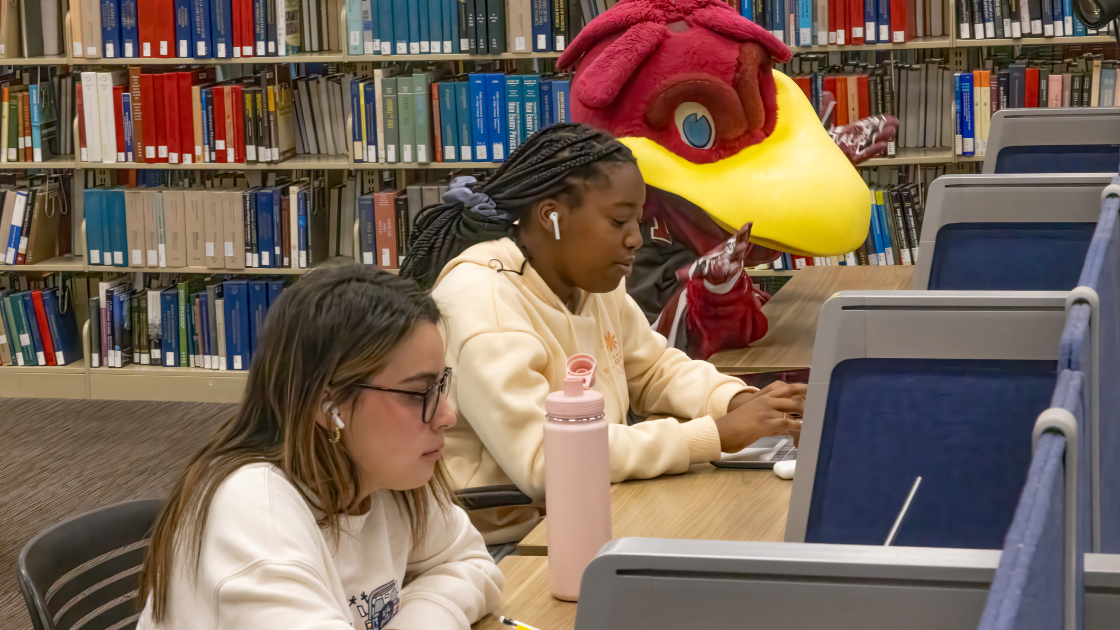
(577, 401)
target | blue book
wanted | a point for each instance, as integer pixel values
(435, 26)
(884, 228)
(357, 122)
(548, 114)
(33, 327)
(480, 130)
(402, 27)
(497, 115)
(260, 28)
(237, 323)
(130, 29)
(746, 9)
(1108, 87)
(169, 326)
(876, 232)
(870, 21)
(1059, 18)
(778, 21)
(221, 17)
(885, 21)
(367, 229)
(301, 198)
(531, 105)
(264, 225)
(805, 21)
(359, 27)
(129, 140)
(449, 127)
(1079, 29)
(183, 29)
(36, 138)
(451, 28)
(1067, 17)
(275, 288)
(968, 132)
(371, 120)
(114, 215)
(204, 328)
(258, 309)
(207, 150)
(63, 325)
(465, 121)
(540, 13)
(515, 115)
(419, 37)
(92, 201)
(110, 28)
(385, 32)
(122, 325)
(201, 43)
(560, 106)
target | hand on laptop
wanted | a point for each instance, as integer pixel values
(774, 410)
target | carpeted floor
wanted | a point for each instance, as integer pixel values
(62, 457)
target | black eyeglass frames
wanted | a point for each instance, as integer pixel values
(430, 396)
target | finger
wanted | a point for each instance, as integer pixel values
(771, 387)
(786, 405)
(788, 390)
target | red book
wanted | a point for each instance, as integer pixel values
(842, 101)
(806, 86)
(25, 105)
(832, 10)
(139, 147)
(170, 104)
(993, 82)
(1031, 97)
(219, 124)
(44, 329)
(903, 27)
(78, 104)
(148, 25)
(186, 118)
(855, 21)
(165, 27)
(864, 100)
(150, 120)
(235, 36)
(385, 220)
(436, 125)
(231, 139)
(118, 114)
(247, 34)
(842, 36)
(237, 105)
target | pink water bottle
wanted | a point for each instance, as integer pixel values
(577, 471)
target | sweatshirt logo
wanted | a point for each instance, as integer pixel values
(610, 342)
(378, 607)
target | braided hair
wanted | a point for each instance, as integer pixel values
(552, 163)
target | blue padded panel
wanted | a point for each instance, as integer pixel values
(1071, 394)
(1009, 256)
(1027, 591)
(1092, 158)
(963, 425)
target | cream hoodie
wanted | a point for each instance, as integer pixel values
(265, 564)
(508, 338)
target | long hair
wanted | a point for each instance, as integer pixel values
(333, 329)
(551, 164)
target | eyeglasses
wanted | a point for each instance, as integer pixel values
(430, 396)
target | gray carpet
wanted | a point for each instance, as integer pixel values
(59, 458)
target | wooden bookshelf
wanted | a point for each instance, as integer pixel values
(912, 156)
(299, 162)
(337, 261)
(453, 57)
(68, 381)
(36, 61)
(146, 382)
(334, 56)
(1035, 41)
(945, 41)
(59, 161)
(427, 166)
(58, 263)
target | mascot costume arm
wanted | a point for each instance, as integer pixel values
(722, 141)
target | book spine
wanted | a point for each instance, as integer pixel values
(542, 25)
(514, 115)
(559, 25)
(110, 28)
(968, 139)
(129, 144)
(479, 129)
(496, 115)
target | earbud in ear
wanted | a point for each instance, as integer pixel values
(332, 409)
(555, 223)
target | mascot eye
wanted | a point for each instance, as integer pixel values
(695, 125)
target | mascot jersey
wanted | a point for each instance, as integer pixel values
(723, 141)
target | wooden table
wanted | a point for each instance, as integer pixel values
(792, 316)
(527, 599)
(705, 503)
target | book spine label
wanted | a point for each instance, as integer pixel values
(479, 131)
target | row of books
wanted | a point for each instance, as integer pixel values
(30, 114)
(295, 224)
(38, 328)
(29, 223)
(481, 118)
(892, 238)
(209, 323)
(31, 28)
(184, 117)
(846, 22)
(998, 19)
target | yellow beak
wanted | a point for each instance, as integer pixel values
(798, 188)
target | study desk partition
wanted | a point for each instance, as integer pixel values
(792, 316)
(705, 503)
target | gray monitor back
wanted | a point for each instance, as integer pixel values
(1024, 325)
(657, 584)
(1051, 198)
(1036, 126)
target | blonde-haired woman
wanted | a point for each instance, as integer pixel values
(322, 503)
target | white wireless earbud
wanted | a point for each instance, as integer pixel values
(555, 223)
(329, 407)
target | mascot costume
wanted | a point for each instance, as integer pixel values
(737, 164)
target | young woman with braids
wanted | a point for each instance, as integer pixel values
(528, 269)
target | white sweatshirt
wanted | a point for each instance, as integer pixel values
(265, 564)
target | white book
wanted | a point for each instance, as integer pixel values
(325, 123)
(281, 29)
(17, 220)
(92, 153)
(105, 83)
(930, 101)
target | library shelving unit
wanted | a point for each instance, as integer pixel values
(135, 382)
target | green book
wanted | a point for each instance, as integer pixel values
(15, 342)
(184, 349)
(13, 127)
(392, 130)
(406, 119)
(422, 87)
(15, 304)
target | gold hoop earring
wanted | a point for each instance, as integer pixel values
(336, 436)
